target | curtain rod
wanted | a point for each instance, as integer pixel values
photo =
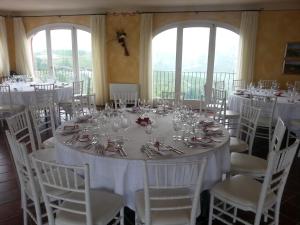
(131, 13)
(148, 12)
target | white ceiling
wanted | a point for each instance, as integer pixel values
(33, 7)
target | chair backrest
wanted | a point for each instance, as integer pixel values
(128, 98)
(297, 85)
(219, 85)
(278, 135)
(266, 84)
(77, 88)
(247, 125)
(20, 128)
(267, 105)
(216, 104)
(238, 84)
(43, 122)
(64, 178)
(44, 93)
(24, 170)
(84, 105)
(279, 164)
(4, 79)
(162, 179)
(5, 90)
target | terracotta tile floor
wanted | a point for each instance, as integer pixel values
(11, 214)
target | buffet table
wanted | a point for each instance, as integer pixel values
(124, 175)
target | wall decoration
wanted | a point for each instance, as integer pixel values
(291, 63)
(121, 37)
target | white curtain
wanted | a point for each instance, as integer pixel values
(248, 31)
(4, 57)
(145, 73)
(100, 84)
(23, 49)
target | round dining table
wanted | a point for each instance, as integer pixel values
(284, 109)
(22, 93)
(124, 174)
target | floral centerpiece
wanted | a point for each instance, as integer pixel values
(143, 121)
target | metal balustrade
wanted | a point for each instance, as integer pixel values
(192, 83)
(66, 76)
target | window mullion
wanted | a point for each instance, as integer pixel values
(49, 54)
(75, 54)
(211, 58)
(178, 66)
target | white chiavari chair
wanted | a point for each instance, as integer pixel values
(246, 130)
(128, 98)
(243, 193)
(20, 128)
(44, 93)
(219, 85)
(82, 205)
(28, 183)
(171, 192)
(267, 106)
(215, 106)
(266, 84)
(31, 194)
(66, 107)
(3, 79)
(84, 105)
(10, 108)
(254, 166)
(238, 85)
(44, 124)
(297, 86)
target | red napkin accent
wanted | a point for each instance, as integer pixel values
(143, 122)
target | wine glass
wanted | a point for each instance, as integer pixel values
(115, 126)
(124, 123)
(177, 127)
(148, 131)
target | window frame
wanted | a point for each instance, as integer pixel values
(57, 26)
(213, 25)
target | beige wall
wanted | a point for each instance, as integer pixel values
(274, 31)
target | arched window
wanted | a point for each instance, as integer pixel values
(186, 56)
(62, 52)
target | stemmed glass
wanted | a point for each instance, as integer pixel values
(115, 126)
(124, 123)
(148, 131)
(177, 127)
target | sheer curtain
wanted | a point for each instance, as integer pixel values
(248, 31)
(4, 58)
(145, 73)
(100, 84)
(23, 50)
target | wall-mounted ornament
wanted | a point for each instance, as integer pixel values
(121, 37)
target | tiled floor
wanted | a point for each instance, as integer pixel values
(10, 212)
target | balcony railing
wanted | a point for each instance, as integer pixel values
(192, 83)
(66, 76)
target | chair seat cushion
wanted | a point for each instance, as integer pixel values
(295, 123)
(248, 164)
(104, 206)
(237, 145)
(49, 143)
(14, 108)
(232, 114)
(170, 217)
(242, 191)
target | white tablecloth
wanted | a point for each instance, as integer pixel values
(23, 94)
(125, 175)
(286, 110)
